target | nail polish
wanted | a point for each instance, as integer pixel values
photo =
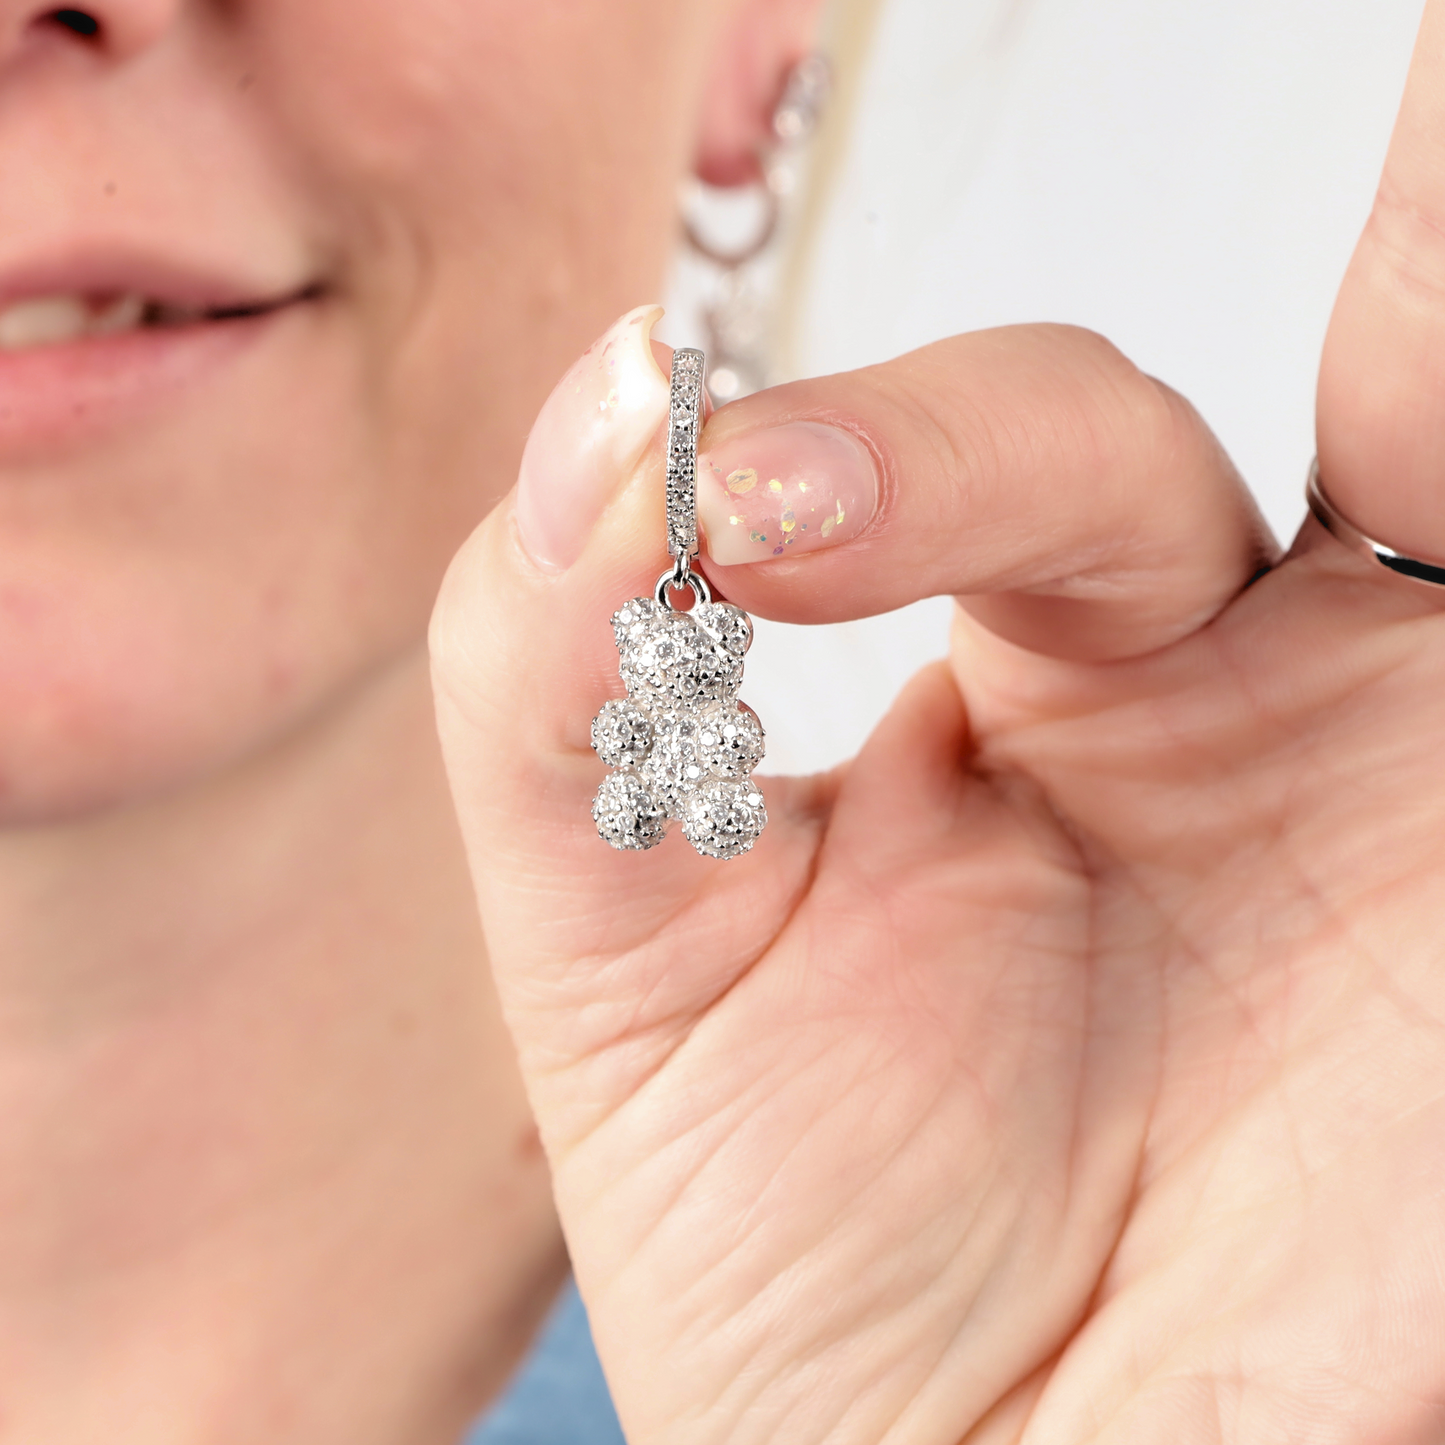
(588, 437)
(784, 491)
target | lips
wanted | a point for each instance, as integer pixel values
(56, 320)
(84, 346)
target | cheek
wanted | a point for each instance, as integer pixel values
(216, 582)
(560, 113)
(491, 185)
(497, 167)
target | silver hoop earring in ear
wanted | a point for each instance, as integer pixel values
(737, 315)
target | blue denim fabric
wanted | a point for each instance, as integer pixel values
(558, 1396)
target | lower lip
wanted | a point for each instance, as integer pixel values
(65, 392)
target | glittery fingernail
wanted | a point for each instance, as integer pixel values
(588, 437)
(784, 491)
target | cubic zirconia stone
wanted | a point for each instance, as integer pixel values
(626, 813)
(730, 627)
(730, 741)
(673, 767)
(669, 661)
(621, 734)
(723, 818)
(631, 617)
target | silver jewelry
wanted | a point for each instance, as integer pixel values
(738, 318)
(680, 745)
(1339, 526)
(684, 417)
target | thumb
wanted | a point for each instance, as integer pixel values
(598, 952)
(1381, 427)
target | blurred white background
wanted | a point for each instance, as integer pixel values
(1188, 179)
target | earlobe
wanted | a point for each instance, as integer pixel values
(760, 43)
(737, 314)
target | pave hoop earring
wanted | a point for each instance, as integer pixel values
(738, 312)
(681, 746)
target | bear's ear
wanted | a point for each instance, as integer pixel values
(730, 627)
(630, 615)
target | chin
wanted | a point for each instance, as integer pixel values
(180, 593)
(109, 698)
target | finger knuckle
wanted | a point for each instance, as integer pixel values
(1121, 421)
(1021, 402)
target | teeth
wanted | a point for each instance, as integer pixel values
(122, 314)
(43, 322)
(50, 320)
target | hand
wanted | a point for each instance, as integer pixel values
(1070, 1065)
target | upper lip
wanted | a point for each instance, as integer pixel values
(175, 289)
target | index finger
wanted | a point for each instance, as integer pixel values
(1082, 508)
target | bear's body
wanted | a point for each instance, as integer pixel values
(681, 745)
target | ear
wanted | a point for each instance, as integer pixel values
(758, 44)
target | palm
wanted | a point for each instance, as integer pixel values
(1259, 832)
(1021, 1067)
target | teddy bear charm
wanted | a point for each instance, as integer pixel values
(680, 745)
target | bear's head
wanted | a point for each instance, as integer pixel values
(681, 659)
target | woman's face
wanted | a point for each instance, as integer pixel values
(282, 283)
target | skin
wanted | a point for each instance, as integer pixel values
(1070, 1066)
(266, 1167)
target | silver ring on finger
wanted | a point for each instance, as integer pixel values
(1416, 569)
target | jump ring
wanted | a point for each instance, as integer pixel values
(669, 580)
(739, 255)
